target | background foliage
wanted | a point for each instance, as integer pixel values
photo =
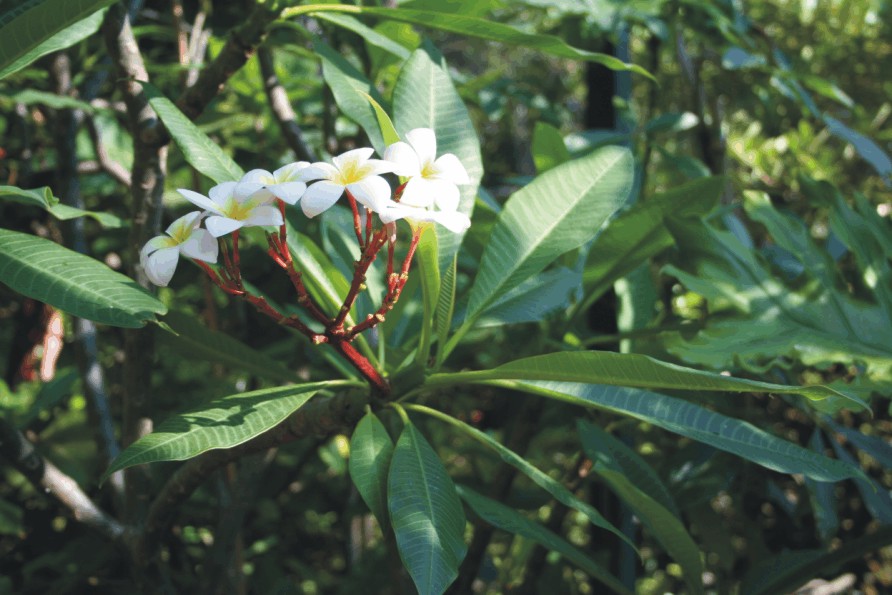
(721, 210)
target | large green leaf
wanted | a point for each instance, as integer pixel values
(35, 28)
(473, 27)
(560, 210)
(639, 233)
(350, 89)
(759, 320)
(223, 423)
(507, 519)
(541, 479)
(370, 452)
(199, 150)
(663, 525)
(43, 198)
(425, 97)
(612, 453)
(371, 36)
(426, 514)
(194, 340)
(72, 282)
(428, 270)
(697, 423)
(629, 369)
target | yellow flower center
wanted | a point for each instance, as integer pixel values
(351, 173)
(237, 210)
(429, 170)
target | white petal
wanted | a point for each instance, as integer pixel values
(183, 224)
(372, 192)
(201, 245)
(395, 212)
(404, 159)
(418, 193)
(448, 167)
(318, 171)
(222, 192)
(245, 191)
(424, 142)
(200, 200)
(220, 226)
(290, 172)
(376, 167)
(159, 267)
(290, 192)
(153, 245)
(265, 215)
(320, 197)
(446, 195)
(353, 156)
(258, 176)
(452, 220)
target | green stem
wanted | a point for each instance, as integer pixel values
(402, 413)
(296, 11)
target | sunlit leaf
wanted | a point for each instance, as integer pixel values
(43, 198)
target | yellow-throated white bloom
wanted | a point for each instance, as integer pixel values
(353, 171)
(286, 183)
(234, 205)
(433, 181)
(160, 255)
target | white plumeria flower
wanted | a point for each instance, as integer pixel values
(432, 181)
(235, 205)
(160, 255)
(353, 171)
(285, 183)
(454, 221)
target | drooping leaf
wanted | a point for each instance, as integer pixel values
(697, 423)
(34, 28)
(370, 35)
(639, 233)
(72, 282)
(196, 341)
(822, 497)
(425, 97)
(477, 27)
(633, 370)
(548, 147)
(867, 148)
(612, 453)
(43, 198)
(200, 151)
(427, 256)
(222, 423)
(507, 519)
(540, 478)
(370, 452)
(426, 514)
(663, 525)
(560, 210)
(877, 499)
(388, 130)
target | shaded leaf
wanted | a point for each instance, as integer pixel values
(370, 452)
(43, 198)
(72, 282)
(548, 147)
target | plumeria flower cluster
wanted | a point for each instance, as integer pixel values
(428, 194)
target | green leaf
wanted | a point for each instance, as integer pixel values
(199, 150)
(35, 28)
(875, 497)
(787, 571)
(475, 27)
(223, 423)
(429, 273)
(560, 210)
(388, 131)
(350, 88)
(864, 146)
(541, 479)
(52, 100)
(426, 514)
(533, 299)
(370, 35)
(370, 452)
(194, 340)
(612, 453)
(425, 97)
(697, 423)
(633, 370)
(822, 496)
(639, 233)
(445, 307)
(663, 525)
(43, 198)
(507, 519)
(548, 147)
(72, 282)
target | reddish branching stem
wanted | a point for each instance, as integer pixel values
(357, 221)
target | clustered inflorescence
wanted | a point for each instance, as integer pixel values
(428, 195)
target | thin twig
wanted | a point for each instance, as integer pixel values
(106, 163)
(281, 107)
